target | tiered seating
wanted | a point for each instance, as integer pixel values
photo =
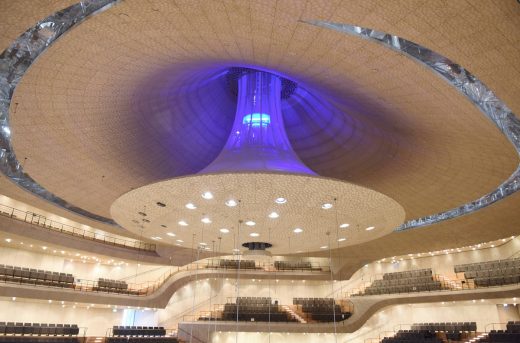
(446, 327)
(236, 264)
(321, 309)
(35, 276)
(33, 332)
(512, 334)
(139, 334)
(403, 282)
(255, 309)
(413, 336)
(492, 273)
(114, 286)
(299, 265)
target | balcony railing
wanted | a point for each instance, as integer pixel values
(147, 288)
(46, 223)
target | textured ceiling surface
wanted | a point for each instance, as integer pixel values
(357, 208)
(132, 96)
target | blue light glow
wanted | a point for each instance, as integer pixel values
(257, 119)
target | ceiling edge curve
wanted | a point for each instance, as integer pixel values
(471, 87)
(14, 63)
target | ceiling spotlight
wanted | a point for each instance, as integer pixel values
(280, 200)
(231, 203)
(190, 206)
(342, 239)
(224, 230)
(183, 223)
(206, 220)
(344, 225)
(254, 234)
(171, 234)
(324, 247)
(326, 206)
(250, 223)
(297, 230)
(8, 240)
(180, 241)
(370, 228)
(273, 215)
(207, 195)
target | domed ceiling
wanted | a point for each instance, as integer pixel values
(139, 93)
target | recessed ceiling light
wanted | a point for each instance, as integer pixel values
(206, 220)
(231, 203)
(297, 230)
(202, 243)
(324, 247)
(171, 234)
(344, 225)
(44, 248)
(183, 223)
(342, 239)
(8, 240)
(190, 206)
(273, 215)
(370, 228)
(224, 230)
(180, 241)
(250, 223)
(280, 200)
(254, 234)
(326, 206)
(207, 195)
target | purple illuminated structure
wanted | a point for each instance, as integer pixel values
(258, 141)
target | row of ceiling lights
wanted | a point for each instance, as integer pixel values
(232, 203)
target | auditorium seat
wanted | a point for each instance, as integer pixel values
(35, 277)
(491, 273)
(255, 309)
(36, 332)
(421, 280)
(321, 309)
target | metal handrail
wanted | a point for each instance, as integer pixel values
(135, 289)
(44, 222)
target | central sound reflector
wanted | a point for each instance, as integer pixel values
(258, 141)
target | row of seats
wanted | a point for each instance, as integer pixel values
(502, 337)
(35, 276)
(408, 274)
(115, 284)
(254, 300)
(488, 265)
(460, 326)
(255, 309)
(404, 281)
(496, 281)
(37, 329)
(36, 339)
(299, 265)
(432, 286)
(492, 272)
(413, 336)
(513, 326)
(237, 264)
(313, 301)
(138, 331)
(142, 340)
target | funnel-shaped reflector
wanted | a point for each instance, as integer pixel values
(258, 141)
